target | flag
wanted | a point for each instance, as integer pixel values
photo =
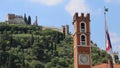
(106, 9)
(108, 44)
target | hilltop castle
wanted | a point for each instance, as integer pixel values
(15, 19)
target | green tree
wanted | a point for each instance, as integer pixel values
(29, 20)
(25, 19)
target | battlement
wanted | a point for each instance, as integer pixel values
(15, 19)
(65, 29)
(81, 17)
(115, 53)
(12, 16)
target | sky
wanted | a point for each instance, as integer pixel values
(60, 12)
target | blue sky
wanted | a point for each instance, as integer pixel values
(60, 12)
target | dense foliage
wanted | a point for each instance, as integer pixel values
(99, 56)
(23, 46)
(26, 46)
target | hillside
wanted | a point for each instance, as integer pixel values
(27, 46)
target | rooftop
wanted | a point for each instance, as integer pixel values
(104, 65)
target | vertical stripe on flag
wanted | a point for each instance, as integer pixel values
(108, 44)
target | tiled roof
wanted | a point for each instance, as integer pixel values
(104, 65)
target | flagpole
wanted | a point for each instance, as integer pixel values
(108, 42)
(105, 34)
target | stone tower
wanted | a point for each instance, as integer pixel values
(81, 37)
(36, 22)
(65, 29)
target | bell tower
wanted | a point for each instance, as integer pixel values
(81, 41)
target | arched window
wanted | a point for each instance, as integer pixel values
(83, 27)
(83, 40)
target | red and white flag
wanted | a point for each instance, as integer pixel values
(108, 44)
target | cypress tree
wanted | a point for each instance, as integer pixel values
(29, 20)
(25, 18)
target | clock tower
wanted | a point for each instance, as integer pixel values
(81, 37)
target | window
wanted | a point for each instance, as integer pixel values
(83, 40)
(83, 26)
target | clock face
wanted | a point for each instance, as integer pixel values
(84, 59)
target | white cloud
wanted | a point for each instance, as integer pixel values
(48, 2)
(115, 41)
(117, 47)
(77, 6)
(115, 38)
(112, 1)
(108, 1)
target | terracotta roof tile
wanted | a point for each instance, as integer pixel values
(104, 65)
